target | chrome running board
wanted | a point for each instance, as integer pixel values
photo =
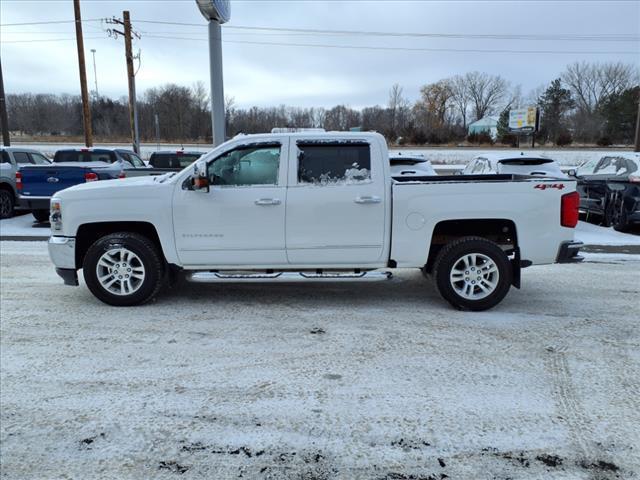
(286, 277)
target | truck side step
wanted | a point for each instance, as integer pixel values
(286, 277)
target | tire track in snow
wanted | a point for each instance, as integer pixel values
(567, 402)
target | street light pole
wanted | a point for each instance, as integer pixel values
(217, 89)
(95, 73)
(216, 12)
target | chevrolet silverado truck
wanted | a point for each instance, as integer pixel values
(310, 207)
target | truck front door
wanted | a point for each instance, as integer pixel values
(336, 203)
(241, 220)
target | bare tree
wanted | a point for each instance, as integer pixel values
(486, 91)
(460, 97)
(592, 83)
(398, 108)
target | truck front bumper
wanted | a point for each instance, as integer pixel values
(568, 252)
(62, 251)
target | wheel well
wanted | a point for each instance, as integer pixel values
(500, 231)
(90, 232)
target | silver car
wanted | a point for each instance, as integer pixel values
(11, 159)
(410, 165)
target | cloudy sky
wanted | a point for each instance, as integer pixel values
(261, 73)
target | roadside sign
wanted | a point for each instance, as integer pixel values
(523, 119)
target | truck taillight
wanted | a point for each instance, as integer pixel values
(122, 175)
(569, 209)
(18, 181)
(90, 177)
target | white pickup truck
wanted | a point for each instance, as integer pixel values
(310, 206)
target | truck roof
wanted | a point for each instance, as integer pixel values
(308, 135)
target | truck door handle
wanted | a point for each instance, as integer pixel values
(267, 201)
(368, 199)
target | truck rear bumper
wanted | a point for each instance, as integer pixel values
(34, 203)
(568, 252)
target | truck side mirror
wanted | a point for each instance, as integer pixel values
(199, 178)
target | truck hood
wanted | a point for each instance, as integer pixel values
(110, 188)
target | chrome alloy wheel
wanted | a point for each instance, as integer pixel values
(120, 271)
(474, 276)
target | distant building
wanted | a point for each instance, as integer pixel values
(485, 125)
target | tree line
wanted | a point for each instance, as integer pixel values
(587, 103)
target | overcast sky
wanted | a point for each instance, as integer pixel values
(311, 76)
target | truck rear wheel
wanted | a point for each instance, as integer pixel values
(40, 215)
(472, 273)
(123, 269)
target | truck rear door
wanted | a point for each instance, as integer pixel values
(336, 203)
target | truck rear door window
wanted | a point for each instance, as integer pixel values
(333, 163)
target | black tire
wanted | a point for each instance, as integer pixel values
(147, 255)
(7, 203)
(617, 215)
(450, 256)
(40, 215)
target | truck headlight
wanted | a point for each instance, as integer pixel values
(56, 215)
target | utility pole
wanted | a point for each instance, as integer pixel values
(86, 111)
(6, 141)
(637, 143)
(131, 76)
(95, 72)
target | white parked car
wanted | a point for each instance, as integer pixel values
(514, 164)
(310, 207)
(410, 165)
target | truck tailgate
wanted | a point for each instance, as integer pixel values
(45, 180)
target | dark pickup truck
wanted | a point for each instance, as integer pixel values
(173, 160)
(37, 184)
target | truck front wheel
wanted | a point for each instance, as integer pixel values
(472, 273)
(123, 269)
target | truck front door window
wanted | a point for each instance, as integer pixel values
(333, 164)
(246, 166)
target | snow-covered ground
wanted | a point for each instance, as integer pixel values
(23, 225)
(344, 381)
(591, 234)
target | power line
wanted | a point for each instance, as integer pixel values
(406, 49)
(50, 22)
(614, 37)
(51, 40)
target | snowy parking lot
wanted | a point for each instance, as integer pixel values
(371, 381)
